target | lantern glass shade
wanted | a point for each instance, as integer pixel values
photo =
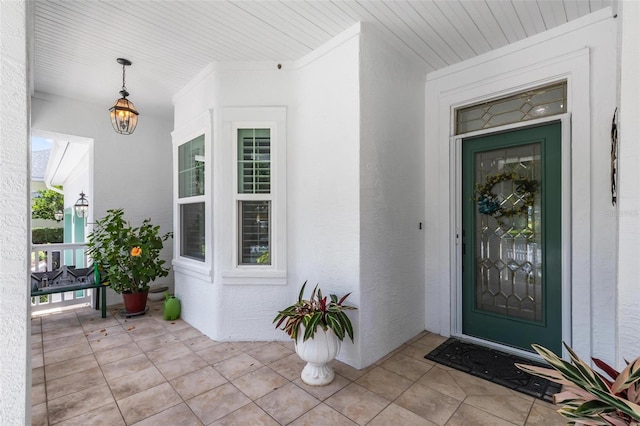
(124, 116)
(81, 206)
(58, 215)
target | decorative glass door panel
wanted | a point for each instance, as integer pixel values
(511, 237)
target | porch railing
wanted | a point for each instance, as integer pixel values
(49, 257)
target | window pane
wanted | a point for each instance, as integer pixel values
(191, 168)
(192, 242)
(254, 161)
(255, 232)
(535, 103)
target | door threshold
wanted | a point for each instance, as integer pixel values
(533, 356)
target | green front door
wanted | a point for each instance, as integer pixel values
(511, 218)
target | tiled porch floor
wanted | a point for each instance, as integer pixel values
(147, 371)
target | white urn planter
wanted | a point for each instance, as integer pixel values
(317, 351)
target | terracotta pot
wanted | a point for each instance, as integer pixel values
(135, 303)
(317, 352)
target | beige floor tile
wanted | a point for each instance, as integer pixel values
(287, 403)
(237, 366)
(126, 366)
(110, 341)
(428, 403)
(37, 361)
(323, 392)
(406, 366)
(74, 382)
(168, 352)
(37, 375)
(91, 323)
(218, 353)
(385, 383)
(38, 394)
(476, 386)
(178, 367)
(545, 414)
(78, 403)
(270, 352)
(250, 414)
(249, 346)
(117, 353)
(217, 403)
(260, 382)
(39, 415)
(139, 381)
(64, 368)
(441, 380)
(417, 351)
(510, 408)
(107, 415)
(102, 332)
(348, 371)
(176, 326)
(431, 340)
(289, 344)
(289, 367)
(68, 353)
(63, 342)
(198, 382)
(61, 333)
(156, 342)
(468, 415)
(144, 331)
(396, 415)
(188, 333)
(148, 402)
(199, 343)
(357, 403)
(322, 414)
(179, 414)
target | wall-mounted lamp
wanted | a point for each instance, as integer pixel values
(124, 116)
(58, 215)
(81, 206)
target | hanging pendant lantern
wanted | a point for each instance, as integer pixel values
(124, 116)
(81, 206)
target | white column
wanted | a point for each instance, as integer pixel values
(15, 329)
(629, 186)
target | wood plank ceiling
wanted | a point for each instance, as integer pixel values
(170, 41)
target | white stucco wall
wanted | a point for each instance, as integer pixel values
(584, 52)
(320, 95)
(392, 186)
(354, 192)
(628, 316)
(15, 327)
(131, 172)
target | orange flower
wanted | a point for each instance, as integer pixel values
(136, 251)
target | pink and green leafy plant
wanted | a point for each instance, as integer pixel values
(589, 397)
(317, 311)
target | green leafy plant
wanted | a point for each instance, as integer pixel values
(45, 204)
(130, 256)
(588, 397)
(317, 311)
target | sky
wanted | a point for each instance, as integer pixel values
(40, 143)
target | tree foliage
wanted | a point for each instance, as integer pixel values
(45, 204)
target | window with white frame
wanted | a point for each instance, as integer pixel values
(191, 203)
(257, 141)
(253, 196)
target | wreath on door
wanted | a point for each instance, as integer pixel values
(490, 204)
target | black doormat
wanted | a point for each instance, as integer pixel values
(495, 366)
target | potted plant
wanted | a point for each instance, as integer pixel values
(317, 325)
(129, 256)
(588, 397)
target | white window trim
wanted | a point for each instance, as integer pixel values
(201, 125)
(273, 118)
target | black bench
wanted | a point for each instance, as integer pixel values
(69, 278)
